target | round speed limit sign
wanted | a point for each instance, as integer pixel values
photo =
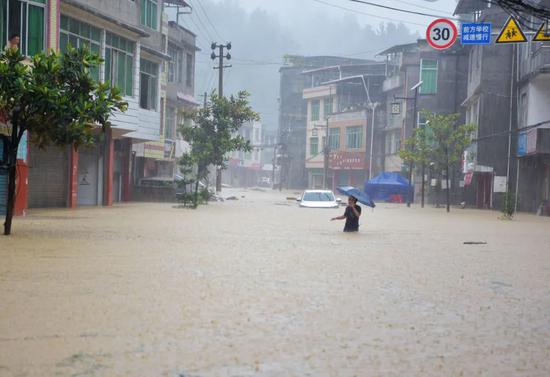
(441, 34)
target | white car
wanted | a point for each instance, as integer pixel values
(318, 199)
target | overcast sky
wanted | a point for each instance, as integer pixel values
(263, 31)
(290, 12)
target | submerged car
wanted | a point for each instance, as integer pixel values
(318, 199)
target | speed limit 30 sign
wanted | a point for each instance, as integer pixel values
(441, 34)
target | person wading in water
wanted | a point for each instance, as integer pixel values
(352, 214)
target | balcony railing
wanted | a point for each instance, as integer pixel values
(391, 83)
(538, 62)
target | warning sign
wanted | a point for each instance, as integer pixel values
(511, 33)
(541, 35)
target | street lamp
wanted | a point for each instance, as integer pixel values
(415, 98)
(326, 151)
(373, 106)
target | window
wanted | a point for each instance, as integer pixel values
(393, 142)
(522, 113)
(421, 120)
(189, 70)
(175, 65)
(354, 136)
(334, 138)
(149, 13)
(313, 146)
(80, 35)
(428, 74)
(26, 19)
(328, 106)
(170, 122)
(149, 83)
(119, 63)
(315, 104)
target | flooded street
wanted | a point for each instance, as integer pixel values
(260, 287)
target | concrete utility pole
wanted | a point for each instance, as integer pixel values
(326, 157)
(371, 152)
(220, 67)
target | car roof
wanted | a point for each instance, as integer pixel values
(320, 191)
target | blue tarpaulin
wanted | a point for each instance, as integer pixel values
(385, 185)
(357, 194)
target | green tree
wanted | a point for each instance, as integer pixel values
(214, 134)
(54, 98)
(441, 142)
(418, 149)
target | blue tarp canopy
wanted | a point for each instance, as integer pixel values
(357, 194)
(385, 185)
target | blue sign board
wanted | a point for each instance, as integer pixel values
(522, 144)
(22, 150)
(476, 34)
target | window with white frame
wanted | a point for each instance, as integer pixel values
(334, 138)
(428, 76)
(149, 13)
(26, 19)
(170, 122)
(354, 137)
(189, 70)
(148, 84)
(313, 146)
(78, 34)
(315, 108)
(175, 65)
(119, 62)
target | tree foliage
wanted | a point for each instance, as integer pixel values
(214, 135)
(54, 98)
(441, 142)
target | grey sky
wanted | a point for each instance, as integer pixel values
(291, 12)
(263, 31)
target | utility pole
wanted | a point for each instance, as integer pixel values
(411, 188)
(371, 152)
(220, 67)
(205, 98)
(326, 157)
(414, 120)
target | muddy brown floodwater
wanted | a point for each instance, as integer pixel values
(260, 287)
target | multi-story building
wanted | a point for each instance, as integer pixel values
(490, 104)
(131, 37)
(341, 102)
(156, 161)
(442, 75)
(245, 168)
(293, 116)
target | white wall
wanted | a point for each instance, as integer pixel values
(538, 100)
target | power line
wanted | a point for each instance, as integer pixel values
(419, 6)
(209, 21)
(400, 9)
(367, 14)
(204, 28)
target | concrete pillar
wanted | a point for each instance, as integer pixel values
(126, 177)
(73, 178)
(109, 168)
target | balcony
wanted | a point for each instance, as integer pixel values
(538, 62)
(392, 83)
(534, 141)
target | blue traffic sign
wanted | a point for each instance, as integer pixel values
(476, 34)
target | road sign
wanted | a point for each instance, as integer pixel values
(476, 34)
(441, 34)
(541, 35)
(511, 33)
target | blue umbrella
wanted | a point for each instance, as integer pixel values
(359, 195)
